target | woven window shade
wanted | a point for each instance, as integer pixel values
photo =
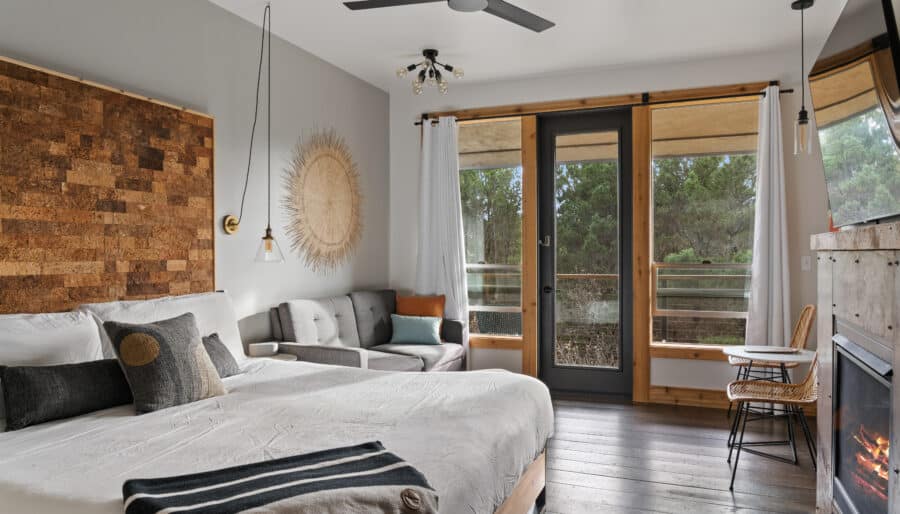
(706, 129)
(843, 94)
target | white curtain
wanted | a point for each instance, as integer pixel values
(441, 265)
(769, 316)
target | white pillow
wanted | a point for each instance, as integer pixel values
(213, 312)
(46, 340)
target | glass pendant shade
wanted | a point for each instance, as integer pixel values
(802, 134)
(269, 251)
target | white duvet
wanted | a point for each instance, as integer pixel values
(471, 434)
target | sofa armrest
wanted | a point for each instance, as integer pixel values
(335, 355)
(453, 331)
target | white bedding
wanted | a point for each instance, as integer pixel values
(471, 434)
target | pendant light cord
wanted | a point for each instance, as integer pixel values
(262, 47)
(802, 62)
(269, 126)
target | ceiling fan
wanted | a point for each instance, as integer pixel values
(498, 8)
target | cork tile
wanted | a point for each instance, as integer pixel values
(103, 196)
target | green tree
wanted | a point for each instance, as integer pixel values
(492, 215)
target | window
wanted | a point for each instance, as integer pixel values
(704, 186)
(490, 181)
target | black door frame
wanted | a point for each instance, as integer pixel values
(584, 379)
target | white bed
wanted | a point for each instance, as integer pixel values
(471, 434)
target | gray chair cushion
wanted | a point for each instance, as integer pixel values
(164, 362)
(327, 321)
(373, 311)
(442, 357)
(394, 361)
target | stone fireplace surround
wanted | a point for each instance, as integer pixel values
(858, 299)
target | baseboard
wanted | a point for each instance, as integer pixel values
(692, 397)
(668, 395)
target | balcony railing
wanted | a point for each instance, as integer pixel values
(704, 296)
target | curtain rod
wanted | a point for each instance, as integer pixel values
(645, 95)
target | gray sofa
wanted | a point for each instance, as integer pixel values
(355, 330)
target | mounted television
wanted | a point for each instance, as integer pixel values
(855, 96)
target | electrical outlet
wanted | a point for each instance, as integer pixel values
(805, 263)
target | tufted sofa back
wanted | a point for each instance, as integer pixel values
(326, 321)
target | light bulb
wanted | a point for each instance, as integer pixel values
(401, 72)
(417, 87)
(802, 134)
(458, 72)
(442, 87)
(269, 251)
(431, 81)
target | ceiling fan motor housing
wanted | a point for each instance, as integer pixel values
(467, 5)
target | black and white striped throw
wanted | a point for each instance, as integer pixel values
(362, 478)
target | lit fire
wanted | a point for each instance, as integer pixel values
(871, 473)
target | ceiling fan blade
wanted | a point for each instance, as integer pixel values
(518, 16)
(372, 4)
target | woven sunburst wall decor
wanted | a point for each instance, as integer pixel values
(323, 201)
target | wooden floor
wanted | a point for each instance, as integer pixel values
(613, 457)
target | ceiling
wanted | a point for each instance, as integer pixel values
(589, 34)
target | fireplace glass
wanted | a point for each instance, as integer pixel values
(861, 437)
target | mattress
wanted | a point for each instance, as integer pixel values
(471, 434)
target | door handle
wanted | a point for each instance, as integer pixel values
(545, 241)
(548, 289)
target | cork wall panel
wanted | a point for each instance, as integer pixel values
(103, 195)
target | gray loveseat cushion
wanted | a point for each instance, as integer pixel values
(373, 311)
(327, 321)
(442, 357)
(394, 361)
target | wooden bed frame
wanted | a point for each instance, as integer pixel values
(529, 490)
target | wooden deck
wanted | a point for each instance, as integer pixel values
(612, 457)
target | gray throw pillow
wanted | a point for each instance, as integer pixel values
(165, 362)
(36, 394)
(220, 355)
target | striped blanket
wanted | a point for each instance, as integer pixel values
(364, 478)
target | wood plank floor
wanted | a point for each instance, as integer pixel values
(615, 457)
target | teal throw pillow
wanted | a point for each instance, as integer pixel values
(415, 329)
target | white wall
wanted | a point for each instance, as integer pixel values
(805, 180)
(195, 54)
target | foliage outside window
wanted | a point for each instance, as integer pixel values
(491, 193)
(704, 187)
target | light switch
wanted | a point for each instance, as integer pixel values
(805, 263)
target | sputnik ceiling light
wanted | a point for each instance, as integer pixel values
(802, 134)
(429, 73)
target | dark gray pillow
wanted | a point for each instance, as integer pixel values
(164, 362)
(36, 394)
(220, 356)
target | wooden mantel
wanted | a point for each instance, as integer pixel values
(885, 236)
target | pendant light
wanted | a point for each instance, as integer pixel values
(268, 251)
(802, 132)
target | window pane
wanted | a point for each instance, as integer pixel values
(704, 173)
(587, 250)
(491, 192)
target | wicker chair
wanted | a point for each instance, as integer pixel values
(792, 396)
(772, 370)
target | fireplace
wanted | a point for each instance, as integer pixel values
(862, 428)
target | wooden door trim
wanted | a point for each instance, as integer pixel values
(642, 191)
(529, 246)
